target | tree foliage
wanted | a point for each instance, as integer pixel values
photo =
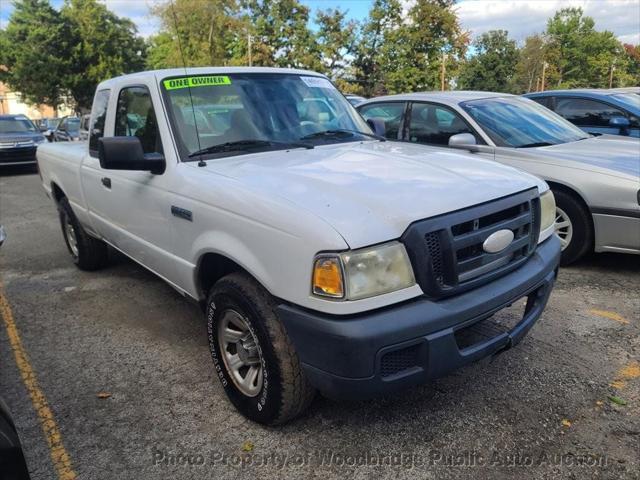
(402, 50)
(50, 55)
(103, 46)
(493, 65)
(194, 33)
(34, 52)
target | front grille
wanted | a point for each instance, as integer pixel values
(23, 154)
(399, 360)
(447, 252)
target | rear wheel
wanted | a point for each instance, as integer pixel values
(573, 227)
(253, 356)
(88, 253)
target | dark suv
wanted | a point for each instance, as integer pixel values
(19, 139)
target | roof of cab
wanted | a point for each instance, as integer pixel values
(451, 97)
(176, 72)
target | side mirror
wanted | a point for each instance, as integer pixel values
(378, 126)
(126, 153)
(621, 123)
(462, 140)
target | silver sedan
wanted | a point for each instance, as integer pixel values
(596, 180)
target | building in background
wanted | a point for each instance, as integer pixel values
(11, 103)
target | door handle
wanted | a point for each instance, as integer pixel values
(106, 181)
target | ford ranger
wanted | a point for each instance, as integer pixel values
(325, 258)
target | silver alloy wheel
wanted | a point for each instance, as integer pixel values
(240, 352)
(70, 233)
(563, 227)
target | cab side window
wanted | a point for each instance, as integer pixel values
(584, 112)
(434, 124)
(135, 117)
(98, 116)
(391, 113)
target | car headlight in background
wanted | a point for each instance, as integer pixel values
(363, 273)
(547, 211)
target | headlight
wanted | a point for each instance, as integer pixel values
(363, 273)
(40, 140)
(547, 210)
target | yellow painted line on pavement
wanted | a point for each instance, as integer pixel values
(610, 315)
(630, 371)
(59, 456)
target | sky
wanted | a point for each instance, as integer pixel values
(520, 17)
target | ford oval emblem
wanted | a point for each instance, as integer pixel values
(498, 241)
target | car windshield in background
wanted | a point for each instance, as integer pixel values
(628, 99)
(16, 125)
(519, 122)
(241, 112)
(73, 124)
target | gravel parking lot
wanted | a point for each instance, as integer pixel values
(123, 365)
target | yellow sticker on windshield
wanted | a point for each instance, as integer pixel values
(202, 81)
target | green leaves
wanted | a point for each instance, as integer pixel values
(493, 66)
(54, 56)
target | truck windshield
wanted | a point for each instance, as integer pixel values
(16, 125)
(248, 112)
(521, 123)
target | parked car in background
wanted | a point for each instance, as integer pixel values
(68, 130)
(326, 257)
(595, 179)
(47, 126)
(19, 139)
(595, 111)
(84, 127)
(354, 99)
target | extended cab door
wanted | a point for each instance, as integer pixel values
(130, 209)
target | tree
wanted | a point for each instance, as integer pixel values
(335, 40)
(370, 61)
(493, 65)
(280, 34)
(194, 33)
(531, 59)
(34, 51)
(102, 45)
(584, 56)
(403, 51)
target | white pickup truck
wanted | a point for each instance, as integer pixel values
(324, 257)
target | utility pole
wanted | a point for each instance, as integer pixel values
(249, 45)
(613, 67)
(544, 71)
(443, 69)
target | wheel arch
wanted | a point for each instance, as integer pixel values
(57, 192)
(577, 196)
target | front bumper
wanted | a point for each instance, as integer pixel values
(350, 357)
(17, 156)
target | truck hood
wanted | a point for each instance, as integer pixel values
(618, 155)
(371, 191)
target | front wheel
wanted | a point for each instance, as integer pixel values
(253, 356)
(573, 227)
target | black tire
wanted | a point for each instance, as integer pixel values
(91, 253)
(582, 236)
(285, 392)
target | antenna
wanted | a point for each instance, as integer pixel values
(201, 163)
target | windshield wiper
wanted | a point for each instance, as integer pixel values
(535, 144)
(341, 133)
(240, 145)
